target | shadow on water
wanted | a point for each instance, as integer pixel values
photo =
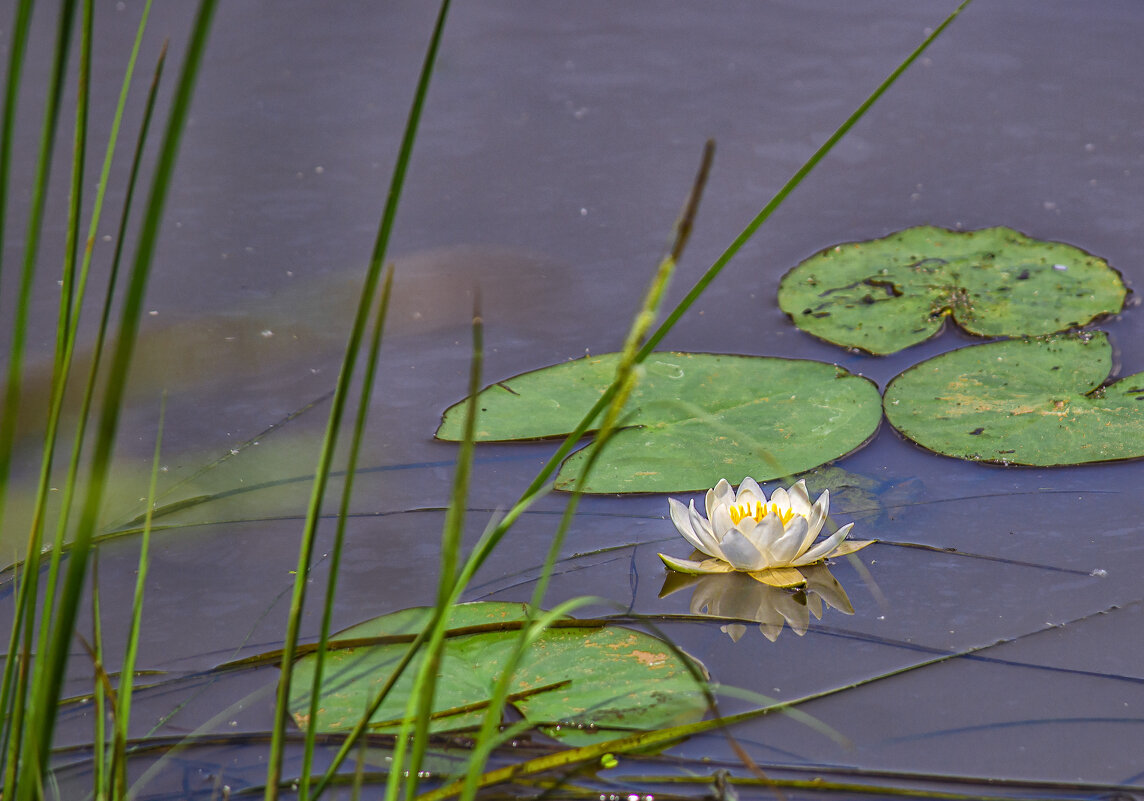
(996, 626)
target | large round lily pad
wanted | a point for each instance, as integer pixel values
(596, 682)
(692, 419)
(1032, 402)
(886, 294)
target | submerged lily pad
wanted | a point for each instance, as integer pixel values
(860, 496)
(886, 294)
(1032, 402)
(578, 684)
(692, 419)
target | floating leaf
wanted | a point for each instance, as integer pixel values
(1032, 402)
(692, 419)
(886, 294)
(592, 680)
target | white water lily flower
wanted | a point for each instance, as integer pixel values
(767, 539)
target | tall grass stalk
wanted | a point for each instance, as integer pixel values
(29, 697)
(34, 224)
(101, 690)
(117, 784)
(343, 515)
(491, 735)
(337, 409)
(419, 708)
(71, 482)
(17, 667)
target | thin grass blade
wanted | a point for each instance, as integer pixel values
(343, 515)
(305, 551)
(50, 668)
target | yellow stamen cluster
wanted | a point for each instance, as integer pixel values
(758, 511)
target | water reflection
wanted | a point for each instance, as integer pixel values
(740, 597)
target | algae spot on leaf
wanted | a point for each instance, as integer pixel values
(692, 419)
(1031, 401)
(887, 294)
(594, 681)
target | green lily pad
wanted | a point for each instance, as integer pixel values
(578, 684)
(1030, 401)
(692, 419)
(886, 294)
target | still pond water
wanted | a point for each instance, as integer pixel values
(556, 147)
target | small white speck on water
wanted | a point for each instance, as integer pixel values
(266, 333)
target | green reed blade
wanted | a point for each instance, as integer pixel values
(14, 723)
(356, 438)
(626, 377)
(369, 287)
(127, 672)
(420, 704)
(50, 668)
(71, 482)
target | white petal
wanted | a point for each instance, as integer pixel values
(765, 533)
(799, 498)
(815, 519)
(824, 502)
(750, 490)
(813, 526)
(681, 520)
(741, 552)
(787, 547)
(722, 495)
(704, 538)
(689, 566)
(781, 498)
(684, 524)
(721, 523)
(824, 548)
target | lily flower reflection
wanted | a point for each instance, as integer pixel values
(736, 596)
(767, 540)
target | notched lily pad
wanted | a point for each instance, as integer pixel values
(886, 294)
(578, 684)
(692, 419)
(1032, 402)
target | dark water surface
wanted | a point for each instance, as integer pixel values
(557, 145)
